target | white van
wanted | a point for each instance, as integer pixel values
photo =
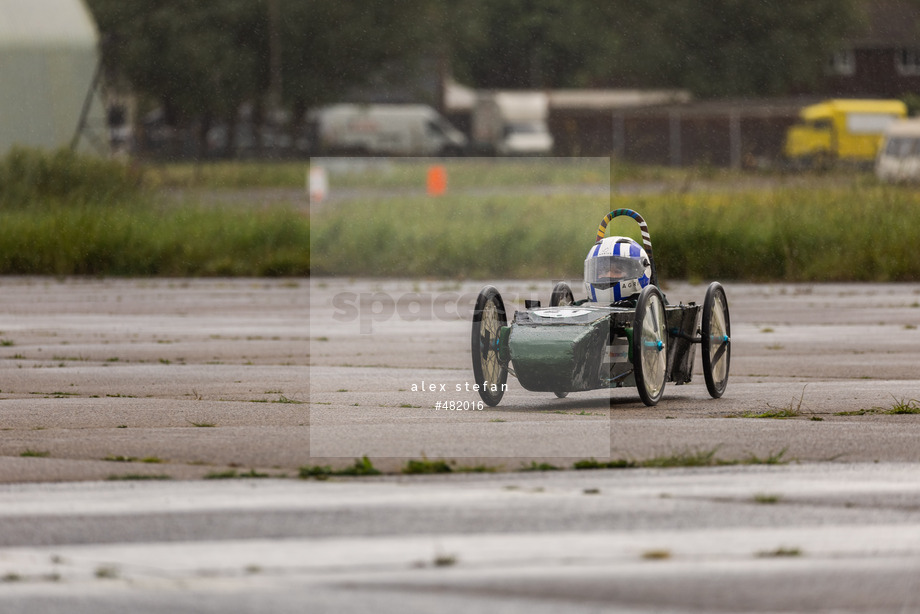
(899, 156)
(385, 129)
(512, 123)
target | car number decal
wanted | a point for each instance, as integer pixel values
(561, 313)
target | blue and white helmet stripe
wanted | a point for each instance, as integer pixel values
(636, 251)
(590, 287)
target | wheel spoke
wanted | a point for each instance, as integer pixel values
(720, 352)
(718, 315)
(718, 335)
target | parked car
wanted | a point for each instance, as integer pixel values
(385, 129)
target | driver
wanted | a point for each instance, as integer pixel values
(612, 270)
(616, 268)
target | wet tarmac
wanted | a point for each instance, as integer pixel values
(105, 382)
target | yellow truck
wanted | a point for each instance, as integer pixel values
(841, 130)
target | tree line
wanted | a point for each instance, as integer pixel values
(201, 60)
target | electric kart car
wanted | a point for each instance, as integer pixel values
(624, 333)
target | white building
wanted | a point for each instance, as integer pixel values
(49, 55)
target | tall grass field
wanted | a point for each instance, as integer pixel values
(62, 214)
(826, 229)
(150, 241)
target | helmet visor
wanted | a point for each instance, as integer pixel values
(604, 271)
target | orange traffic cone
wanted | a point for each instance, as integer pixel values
(437, 180)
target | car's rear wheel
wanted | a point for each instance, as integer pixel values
(488, 318)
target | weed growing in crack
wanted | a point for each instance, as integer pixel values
(362, 467)
(35, 454)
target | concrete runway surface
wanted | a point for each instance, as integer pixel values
(206, 377)
(812, 537)
(377, 348)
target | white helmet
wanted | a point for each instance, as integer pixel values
(616, 268)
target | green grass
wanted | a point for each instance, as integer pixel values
(479, 173)
(228, 175)
(106, 572)
(858, 412)
(37, 179)
(428, 466)
(689, 458)
(362, 467)
(120, 459)
(592, 463)
(66, 214)
(62, 214)
(424, 466)
(904, 407)
(900, 407)
(457, 236)
(476, 469)
(774, 413)
(777, 458)
(234, 474)
(535, 466)
(35, 454)
(708, 458)
(859, 231)
(150, 460)
(145, 239)
(444, 560)
(793, 410)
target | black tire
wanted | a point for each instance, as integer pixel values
(562, 295)
(716, 333)
(650, 345)
(488, 371)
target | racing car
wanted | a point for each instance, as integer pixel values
(623, 333)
